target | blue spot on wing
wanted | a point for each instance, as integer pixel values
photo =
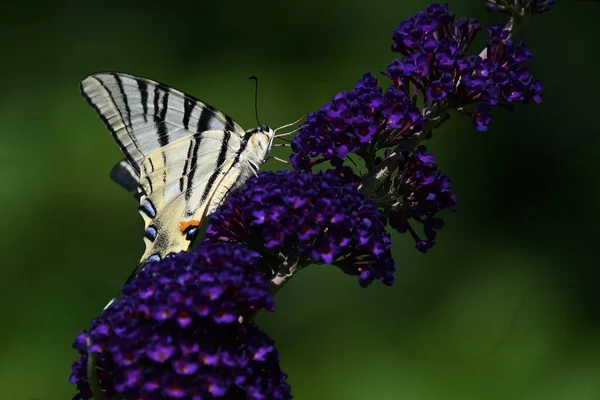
(148, 208)
(191, 232)
(153, 258)
(150, 233)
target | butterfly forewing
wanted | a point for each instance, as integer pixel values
(144, 115)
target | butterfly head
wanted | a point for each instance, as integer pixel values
(261, 139)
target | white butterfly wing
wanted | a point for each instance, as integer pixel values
(145, 115)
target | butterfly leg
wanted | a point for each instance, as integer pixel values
(287, 133)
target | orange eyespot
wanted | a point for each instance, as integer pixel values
(183, 225)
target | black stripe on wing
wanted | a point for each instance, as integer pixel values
(124, 96)
(143, 88)
(236, 160)
(147, 177)
(204, 121)
(160, 113)
(193, 167)
(206, 117)
(220, 162)
(229, 124)
(188, 107)
(187, 163)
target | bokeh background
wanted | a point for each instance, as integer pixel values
(505, 306)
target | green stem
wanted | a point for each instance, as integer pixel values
(289, 267)
(92, 377)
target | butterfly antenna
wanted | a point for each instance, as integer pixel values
(292, 124)
(287, 133)
(255, 79)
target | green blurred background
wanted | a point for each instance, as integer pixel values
(504, 307)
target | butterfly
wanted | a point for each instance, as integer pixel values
(182, 156)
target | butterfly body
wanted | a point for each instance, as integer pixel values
(182, 156)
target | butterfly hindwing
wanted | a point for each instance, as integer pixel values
(125, 175)
(177, 185)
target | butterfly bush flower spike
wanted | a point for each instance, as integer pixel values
(434, 77)
(500, 79)
(310, 218)
(176, 333)
(436, 64)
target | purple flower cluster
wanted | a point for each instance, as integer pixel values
(500, 79)
(176, 333)
(434, 33)
(436, 67)
(421, 191)
(519, 7)
(353, 121)
(317, 217)
(434, 47)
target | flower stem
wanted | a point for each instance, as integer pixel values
(92, 377)
(289, 266)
